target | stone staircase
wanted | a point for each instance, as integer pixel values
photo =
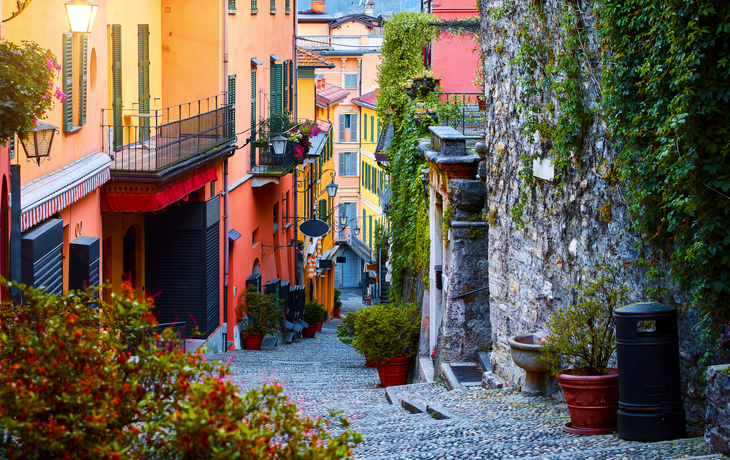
(467, 423)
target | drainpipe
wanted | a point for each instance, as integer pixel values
(226, 243)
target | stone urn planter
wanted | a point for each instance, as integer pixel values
(526, 354)
(592, 401)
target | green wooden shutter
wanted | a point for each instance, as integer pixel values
(275, 89)
(322, 209)
(143, 46)
(117, 86)
(231, 106)
(291, 82)
(285, 86)
(372, 129)
(370, 230)
(68, 82)
(253, 103)
(362, 177)
(365, 126)
(83, 70)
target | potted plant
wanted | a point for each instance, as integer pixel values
(263, 314)
(388, 335)
(346, 333)
(579, 348)
(314, 314)
(337, 305)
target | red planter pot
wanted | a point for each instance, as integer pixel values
(319, 326)
(309, 331)
(252, 341)
(394, 371)
(369, 363)
(368, 301)
(336, 314)
(592, 401)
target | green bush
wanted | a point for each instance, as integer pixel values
(264, 312)
(314, 312)
(337, 303)
(69, 389)
(346, 330)
(582, 335)
(385, 331)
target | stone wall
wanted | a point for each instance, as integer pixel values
(567, 229)
(717, 434)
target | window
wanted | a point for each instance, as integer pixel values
(350, 81)
(67, 78)
(348, 163)
(232, 5)
(348, 128)
(254, 238)
(276, 217)
(273, 7)
(365, 126)
(231, 106)
(275, 87)
(254, 7)
(349, 210)
(253, 101)
(287, 7)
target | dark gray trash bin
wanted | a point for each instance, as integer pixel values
(647, 348)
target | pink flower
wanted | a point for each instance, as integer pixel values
(35, 121)
(60, 95)
(46, 95)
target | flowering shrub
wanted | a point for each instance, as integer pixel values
(433, 352)
(27, 88)
(301, 135)
(69, 388)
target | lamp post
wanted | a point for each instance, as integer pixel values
(81, 15)
(37, 145)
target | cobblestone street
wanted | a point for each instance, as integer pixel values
(323, 373)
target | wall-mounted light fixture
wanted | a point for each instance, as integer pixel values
(38, 144)
(81, 15)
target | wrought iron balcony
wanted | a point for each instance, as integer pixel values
(340, 43)
(468, 116)
(139, 141)
(264, 162)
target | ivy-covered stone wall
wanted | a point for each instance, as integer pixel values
(543, 234)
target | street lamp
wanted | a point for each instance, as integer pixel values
(332, 189)
(279, 144)
(356, 231)
(37, 146)
(81, 15)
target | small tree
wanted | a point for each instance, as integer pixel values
(27, 90)
(314, 312)
(263, 312)
(582, 335)
(385, 331)
(70, 388)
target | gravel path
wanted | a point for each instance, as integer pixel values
(323, 373)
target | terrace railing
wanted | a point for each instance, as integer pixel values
(150, 142)
(467, 116)
(339, 42)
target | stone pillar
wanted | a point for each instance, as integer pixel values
(717, 430)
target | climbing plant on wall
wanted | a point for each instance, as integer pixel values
(667, 99)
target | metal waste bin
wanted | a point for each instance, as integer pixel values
(647, 348)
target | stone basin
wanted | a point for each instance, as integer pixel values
(526, 354)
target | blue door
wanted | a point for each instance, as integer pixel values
(349, 271)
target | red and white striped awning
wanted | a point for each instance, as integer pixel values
(47, 195)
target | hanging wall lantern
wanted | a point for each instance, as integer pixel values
(38, 144)
(279, 145)
(81, 15)
(332, 189)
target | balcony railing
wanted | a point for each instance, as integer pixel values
(339, 42)
(467, 116)
(265, 162)
(150, 142)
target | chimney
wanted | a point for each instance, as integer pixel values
(368, 7)
(318, 6)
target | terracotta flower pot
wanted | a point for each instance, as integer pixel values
(369, 363)
(592, 401)
(336, 314)
(309, 331)
(252, 341)
(394, 371)
(319, 326)
(368, 301)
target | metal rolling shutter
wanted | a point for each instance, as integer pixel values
(42, 256)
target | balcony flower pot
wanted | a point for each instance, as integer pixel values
(394, 371)
(592, 401)
(309, 331)
(252, 341)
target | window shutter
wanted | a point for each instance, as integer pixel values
(364, 225)
(231, 106)
(365, 126)
(68, 82)
(117, 86)
(11, 146)
(353, 213)
(370, 231)
(362, 178)
(287, 7)
(253, 103)
(143, 46)
(323, 210)
(343, 172)
(342, 128)
(254, 6)
(372, 128)
(273, 6)
(353, 134)
(285, 87)
(353, 163)
(83, 66)
(291, 76)
(275, 89)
